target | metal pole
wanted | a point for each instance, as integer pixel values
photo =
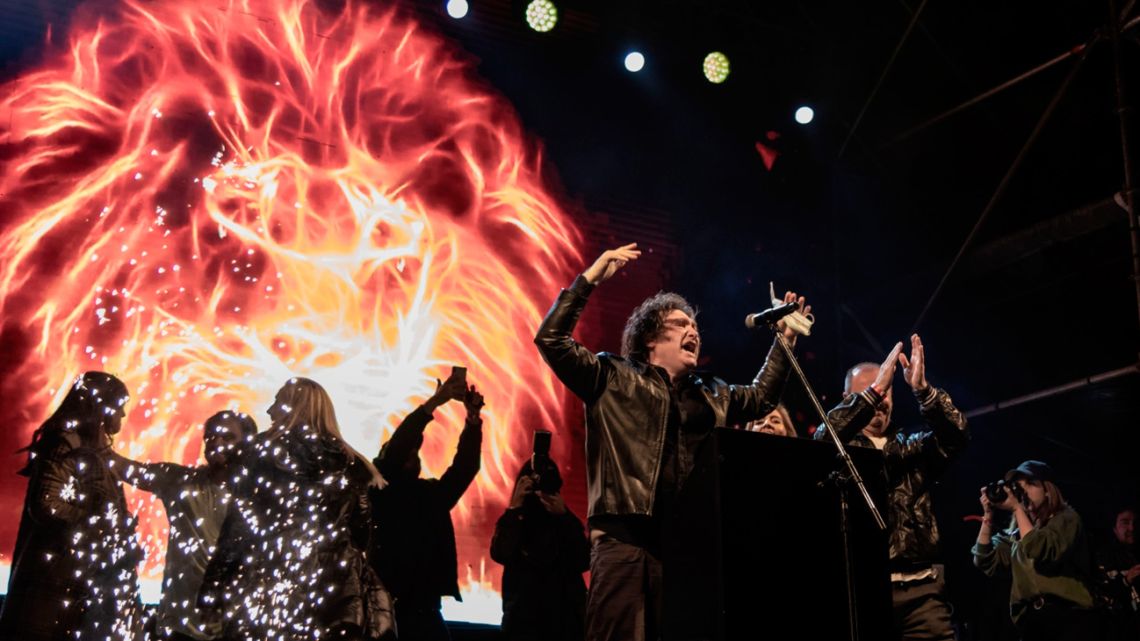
(1000, 190)
(1053, 391)
(1122, 112)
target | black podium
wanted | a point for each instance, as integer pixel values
(756, 550)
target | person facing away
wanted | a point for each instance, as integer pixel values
(290, 560)
(647, 413)
(75, 566)
(543, 549)
(913, 463)
(196, 500)
(1047, 552)
(414, 540)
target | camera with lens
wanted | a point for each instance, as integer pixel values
(998, 490)
(547, 479)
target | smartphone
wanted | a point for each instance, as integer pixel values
(461, 372)
(542, 443)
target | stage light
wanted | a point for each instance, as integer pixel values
(804, 115)
(541, 15)
(457, 8)
(716, 67)
(634, 61)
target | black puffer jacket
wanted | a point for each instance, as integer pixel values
(627, 407)
(914, 462)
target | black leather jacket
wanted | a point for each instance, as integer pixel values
(914, 462)
(627, 407)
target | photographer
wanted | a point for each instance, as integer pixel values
(1046, 550)
(543, 548)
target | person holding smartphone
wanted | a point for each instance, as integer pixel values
(543, 549)
(413, 540)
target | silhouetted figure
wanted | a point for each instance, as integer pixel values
(290, 561)
(544, 551)
(414, 540)
(75, 566)
(196, 500)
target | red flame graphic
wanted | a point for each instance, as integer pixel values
(206, 199)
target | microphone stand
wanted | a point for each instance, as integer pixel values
(840, 480)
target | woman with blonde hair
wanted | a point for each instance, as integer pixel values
(1047, 552)
(290, 562)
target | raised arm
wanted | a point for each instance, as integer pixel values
(457, 478)
(408, 437)
(577, 367)
(948, 430)
(991, 551)
(857, 408)
(148, 477)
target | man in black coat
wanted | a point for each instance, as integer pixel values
(914, 462)
(648, 412)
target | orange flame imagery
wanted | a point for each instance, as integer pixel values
(207, 198)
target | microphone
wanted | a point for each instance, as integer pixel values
(769, 317)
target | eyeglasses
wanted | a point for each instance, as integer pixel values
(681, 323)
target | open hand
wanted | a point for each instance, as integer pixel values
(610, 261)
(914, 368)
(887, 370)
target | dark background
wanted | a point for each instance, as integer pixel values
(864, 219)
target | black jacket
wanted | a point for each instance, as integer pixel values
(627, 407)
(543, 557)
(914, 462)
(298, 526)
(76, 544)
(414, 540)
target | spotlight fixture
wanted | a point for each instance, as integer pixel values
(634, 61)
(457, 8)
(716, 67)
(804, 115)
(541, 15)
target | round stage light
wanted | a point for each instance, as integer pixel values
(541, 15)
(716, 67)
(457, 8)
(804, 115)
(634, 61)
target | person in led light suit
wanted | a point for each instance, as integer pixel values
(75, 565)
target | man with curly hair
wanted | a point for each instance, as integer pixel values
(647, 412)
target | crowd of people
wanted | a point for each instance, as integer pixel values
(291, 534)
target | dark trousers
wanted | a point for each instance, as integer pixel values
(1060, 623)
(420, 622)
(625, 598)
(922, 611)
